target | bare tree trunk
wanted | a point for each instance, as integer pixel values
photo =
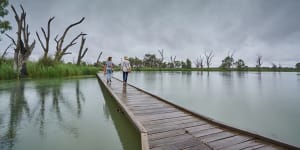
(259, 61)
(199, 62)
(173, 59)
(98, 59)
(81, 53)
(60, 50)
(208, 57)
(22, 50)
(161, 52)
(47, 38)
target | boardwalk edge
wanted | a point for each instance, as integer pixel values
(130, 116)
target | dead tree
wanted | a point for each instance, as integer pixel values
(258, 61)
(161, 61)
(98, 59)
(199, 62)
(173, 59)
(62, 50)
(22, 49)
(81, 53)
(208, 58)
(161, 52)
(47, 38)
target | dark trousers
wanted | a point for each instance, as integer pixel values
(125, 75)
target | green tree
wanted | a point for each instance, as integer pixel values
(227, 62)
(150, 60)
(4, 24)
(183, 64)
(135, 62)
(188, 64)
(240, 64)
(298, 65)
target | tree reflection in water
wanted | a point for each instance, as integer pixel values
(17, 106)
(20, 112)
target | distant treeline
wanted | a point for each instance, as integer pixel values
(151, 62)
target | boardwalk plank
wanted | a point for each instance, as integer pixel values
(161, 116)
(172, 123)
(207, 132)
(169, 140)
(173, 127)
(185, 144)
(228, 141)
(216, 136)
(198, 147)
(158, 122)
(139, 113)
(247, 144)
(157, 136)
(200, 128)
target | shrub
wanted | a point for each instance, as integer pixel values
(48, 61)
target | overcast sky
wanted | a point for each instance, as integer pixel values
(183, 28)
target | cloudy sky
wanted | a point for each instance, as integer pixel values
(183, 28)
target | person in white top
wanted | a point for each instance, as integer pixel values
(126, 68)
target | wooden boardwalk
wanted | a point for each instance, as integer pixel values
(164, 125)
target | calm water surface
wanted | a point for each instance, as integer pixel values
(267, 103)
(62, 114)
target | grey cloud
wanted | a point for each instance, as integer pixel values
(182, 28)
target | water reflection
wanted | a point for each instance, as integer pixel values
(17, 106)
(20, 112)
(79, 98)
(128, 135)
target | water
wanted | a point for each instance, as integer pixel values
(266, 103)
(62, 114)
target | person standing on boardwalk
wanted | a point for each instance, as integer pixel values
(108, 69)
(126, 68)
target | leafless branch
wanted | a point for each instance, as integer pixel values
(5, 51)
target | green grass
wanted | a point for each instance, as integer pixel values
(7, 72)
(37, 70)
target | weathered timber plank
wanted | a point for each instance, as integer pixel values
(270, 147)
(173, 127)
(144, 102)
(157, 136)
(207, 132)
(198, 147)
(147, 108)
(185, 144)
(158, 122)
(172, 123)
(228, 141)
(216, 136)
(169, 140)
(144, 105)
(199, 128)
(254, 147)
(155, 112)
(145, 119)
(243, 145)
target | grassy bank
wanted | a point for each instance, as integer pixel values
(37, 70)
